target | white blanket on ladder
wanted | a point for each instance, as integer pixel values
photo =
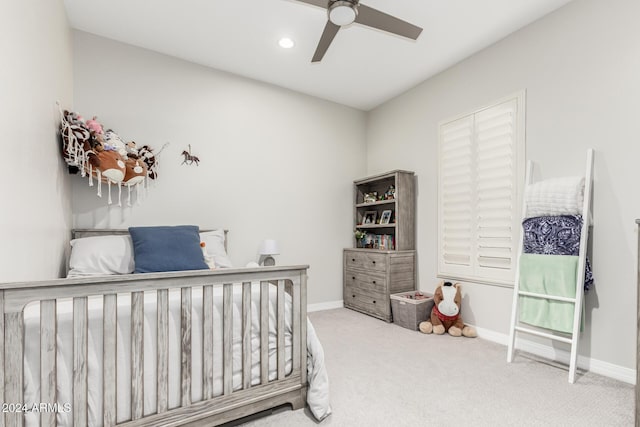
(556, 196)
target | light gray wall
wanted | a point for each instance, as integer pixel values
(36, 71)
(274, 163)
(580, 67)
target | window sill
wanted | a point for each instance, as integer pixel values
(477, 280)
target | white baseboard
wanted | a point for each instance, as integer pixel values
(324, 306)
(600, 367)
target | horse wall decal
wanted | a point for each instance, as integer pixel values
(189, 158)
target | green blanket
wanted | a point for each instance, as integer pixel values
(550, 275)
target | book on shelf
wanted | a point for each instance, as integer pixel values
(380, 241)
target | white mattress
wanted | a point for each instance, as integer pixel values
(317, 397)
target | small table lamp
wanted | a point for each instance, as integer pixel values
(267, 248)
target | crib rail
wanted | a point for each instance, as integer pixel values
(231, 404)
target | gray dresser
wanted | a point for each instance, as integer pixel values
(370, 277)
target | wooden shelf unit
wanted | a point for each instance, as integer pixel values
(371, 275)
(403, 206)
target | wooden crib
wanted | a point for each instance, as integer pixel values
(211, 410)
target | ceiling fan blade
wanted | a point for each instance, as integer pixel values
(374, 18)
(330, 31)
(319, 3)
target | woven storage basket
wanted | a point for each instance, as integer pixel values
(409, 312)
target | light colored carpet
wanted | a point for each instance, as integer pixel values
(385, 375)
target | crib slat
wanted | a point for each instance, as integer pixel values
(207, 348)
(228, 338)
(281, 330)
(185, 329)
(109, 328)
(13, 365)
(163, 350)
(246, 335)
(295, 296)
(80, 327)
(137, 355)
(264, 332)
(48, 360)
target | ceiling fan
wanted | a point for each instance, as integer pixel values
(344, 12)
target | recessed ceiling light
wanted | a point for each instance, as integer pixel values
(286, 43)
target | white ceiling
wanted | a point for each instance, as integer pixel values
(362, 68)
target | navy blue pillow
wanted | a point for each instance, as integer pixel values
(167, 248)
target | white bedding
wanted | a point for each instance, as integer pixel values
(317, 396)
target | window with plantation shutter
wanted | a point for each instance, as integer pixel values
(481, 166)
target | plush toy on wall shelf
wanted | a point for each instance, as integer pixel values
(146, 154)
(94, 125)
(445, 315)
(113, 141)
(135, 168)
(135, 172)
(76, 148)
(111, 166)
(102, 154)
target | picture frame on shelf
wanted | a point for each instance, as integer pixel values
(369, 241)
(385, 218)
(369, 217)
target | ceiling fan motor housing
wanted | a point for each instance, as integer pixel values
(343, 12)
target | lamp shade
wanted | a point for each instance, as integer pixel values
(269, 247)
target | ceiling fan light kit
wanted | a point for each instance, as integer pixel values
(345, 12)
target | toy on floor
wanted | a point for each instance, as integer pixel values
(445, 315)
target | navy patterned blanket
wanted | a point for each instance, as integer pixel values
(555, 235)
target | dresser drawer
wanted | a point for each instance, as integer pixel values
(370, 281)
(365, 261)
(372, 302)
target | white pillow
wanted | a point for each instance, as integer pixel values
(100, 255)
(214, 244)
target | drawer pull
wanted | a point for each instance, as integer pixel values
(353, 296)
(353, 278)
(374, 282)
(353, 260)
(374, 301)
(373, 262)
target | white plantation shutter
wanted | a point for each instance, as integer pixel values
(456, 192)
(480, 169)
(496, 186)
